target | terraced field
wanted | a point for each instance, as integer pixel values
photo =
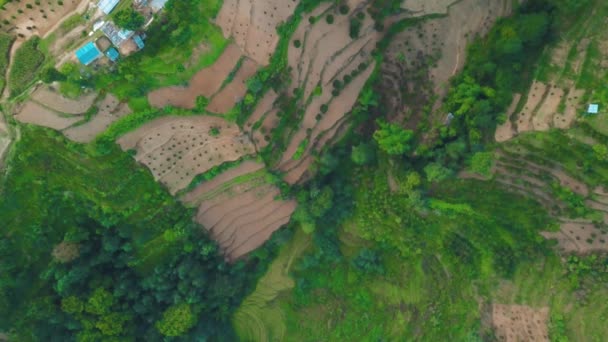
(252, 24)
(240, 209)
(176, 149)
(330, 68)
(519, 323)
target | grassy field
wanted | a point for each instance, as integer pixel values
(5, 43)
(28, 60)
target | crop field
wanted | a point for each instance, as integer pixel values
(27, 61)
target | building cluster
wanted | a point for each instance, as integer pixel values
(115, 41)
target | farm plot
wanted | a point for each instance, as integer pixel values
(51, 98)
(176, 149)
(514, 323)
(109, 110)
(581, 237)
(34, 113)
(235, 90)
(330, 68)
(420, 60)
(38, 17)
(253, 23)
(240, 209)
(209, 83)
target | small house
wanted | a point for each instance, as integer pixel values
(593, 108)
(112, 54)
(88, 53)
(106, 6)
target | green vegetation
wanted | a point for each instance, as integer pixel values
(128, 19)
(135, 255)
(393, 139)
(5, 44)
(27, 61)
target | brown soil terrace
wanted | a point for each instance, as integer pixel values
(252, 24)
(240, 216)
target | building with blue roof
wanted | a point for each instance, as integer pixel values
(593, 108)
(139, 42)
(88, 53)
(106, 6)
(112, 54)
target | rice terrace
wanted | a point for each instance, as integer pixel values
(303, 170)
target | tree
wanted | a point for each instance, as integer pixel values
(393, 139)
(362, 154)
(482, 162)
(100, 302)
(435, 172)
(51, 74)
(72, 305)
(201, 103)
(601, 152)
(177, 320)
(129, 19)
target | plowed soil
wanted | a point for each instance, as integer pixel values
(33, 113)
(517, 323)
(52, 99)
(176, 149)
(110, 110)
(581, 237)
(235, 90)
(239, 209)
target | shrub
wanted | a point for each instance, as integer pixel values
(297, 43)
(329, 19)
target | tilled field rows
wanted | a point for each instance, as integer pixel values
(241, 212)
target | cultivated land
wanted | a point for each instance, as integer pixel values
(303, 170)
(176, 149)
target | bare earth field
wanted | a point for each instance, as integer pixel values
(110, 110)
(239, 209)
(235, 90)
(33, 113)
(176, 149)
(518, 323)
(51, 98)
(252, 24)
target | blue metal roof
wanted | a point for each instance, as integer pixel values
(112, 54)
(593, 109)
(107, 6)
(88, 53)
(140, 43)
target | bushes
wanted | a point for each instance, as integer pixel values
(27, 61)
